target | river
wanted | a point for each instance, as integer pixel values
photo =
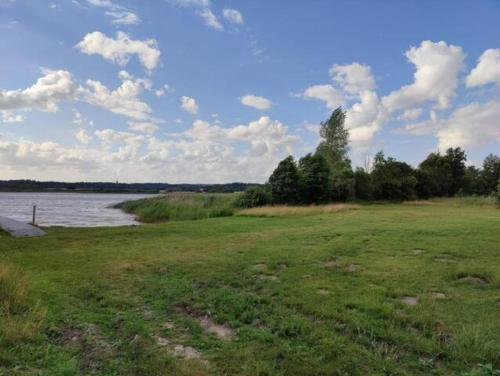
(68, 209)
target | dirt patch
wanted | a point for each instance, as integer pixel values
(330, 264)
(71, 335)
(161, 341)
(323, 292)
(223, 332)
(410, 300)
(266, 277)
(260, 266)
(168, 325)
(351, 268)
(186, 352)
(438, 295)
(283, 265)
(474, 280)
(445, 260)
(418, 251)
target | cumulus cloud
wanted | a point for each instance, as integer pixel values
(364, 119)
(83, 137)
(435, 79)
(9, 118)
(120, 49)
(189, 104)
(146, 127)
(353, 78)
(471, 125)
(411, 114)
(44, 95)
(332, 97)
(233, 16)
(487, 69)
(260, 103)
(124, 100)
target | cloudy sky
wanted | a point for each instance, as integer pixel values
(220, 90)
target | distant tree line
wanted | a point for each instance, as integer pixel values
(327, 175)
(109, 187)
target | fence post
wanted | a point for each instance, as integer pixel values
(34, 215)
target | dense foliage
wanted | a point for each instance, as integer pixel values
(327, 175)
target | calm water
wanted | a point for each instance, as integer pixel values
(67, 209)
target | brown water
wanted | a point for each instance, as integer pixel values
(68, 209)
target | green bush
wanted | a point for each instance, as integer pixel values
(253, 197)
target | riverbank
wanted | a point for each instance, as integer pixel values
(381, 289)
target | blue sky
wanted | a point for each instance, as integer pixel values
(219, 91)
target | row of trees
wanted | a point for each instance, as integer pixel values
(327, 175)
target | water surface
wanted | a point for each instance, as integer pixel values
(68, 209)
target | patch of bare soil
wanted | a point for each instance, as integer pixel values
(351, 268)
(266, 277)
(260, 266)
(418, 251)
(223, 332)
(410, 300)
(474, 280)
(323, 292)
(161, 341)
(438, 295)
(186, 352)
(330, 264)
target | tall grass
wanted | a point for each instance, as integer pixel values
(179, 206)
(18, 320)
(284, 211)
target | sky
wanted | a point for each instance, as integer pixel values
(216, 91)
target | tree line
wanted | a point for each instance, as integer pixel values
(327, 175)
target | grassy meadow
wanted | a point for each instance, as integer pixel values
(380, 289)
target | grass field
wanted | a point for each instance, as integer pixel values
(389, 289)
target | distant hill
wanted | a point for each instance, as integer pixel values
(48, 186)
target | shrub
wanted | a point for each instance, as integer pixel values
(253, 197)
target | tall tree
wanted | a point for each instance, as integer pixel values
(334, 147)
(455, 159)
(284, 182)
(491, 173)
(315, 178)
(335, 137)
(392, 180)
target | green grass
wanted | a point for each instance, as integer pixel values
(180, 206)
(304, 295)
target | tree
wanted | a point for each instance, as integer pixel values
(490, 173)
(335, 137)
(254, 196)
(334, 148)
(363, 187)
(473, 182)
(284, 182)
(442, 175)
(392, 180)
(314, 179)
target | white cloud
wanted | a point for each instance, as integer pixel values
(354, 78)
(487, 69)
(9, 118)
(210, 19)
(163, 90)
(411, 114)
(260, 103)
(189, 104)
(332, 97)
(44, 95)
(83, 137)
(124, 100)
(202, 9)
(468, 126)
(233, 16)
(119, 14)
(120, 49)
(146, 127)
(435, 79)
(365, 119)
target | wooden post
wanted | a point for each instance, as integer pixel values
(34, 215)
